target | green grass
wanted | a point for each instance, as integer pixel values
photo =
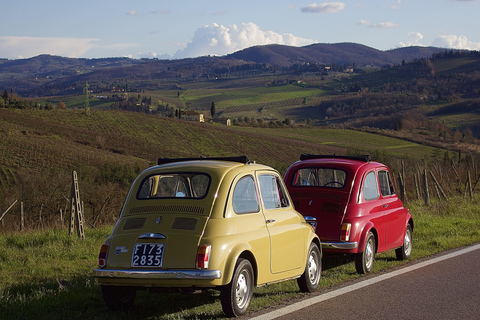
(47, 274)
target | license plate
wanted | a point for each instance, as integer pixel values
(147, 255)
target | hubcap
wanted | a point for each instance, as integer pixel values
(312, 269)
(241, 290)
(407, 243)
(369, 252)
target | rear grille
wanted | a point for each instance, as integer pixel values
(167, 208)
(133, 224)
(184, 223)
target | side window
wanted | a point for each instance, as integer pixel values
(370, 187)
(273, 194)
(386, 183)
(245, 196)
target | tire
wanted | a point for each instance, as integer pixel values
(236, 295)
(310, 279)
(405, 250)
(364, 260)
(118, 298)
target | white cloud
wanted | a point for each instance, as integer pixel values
(132, 13)
(384, 25)
(364, 22)
(395, 5)
(455, 42)
(413, 39)
(327, 7)
(27, 47)
(220, 40)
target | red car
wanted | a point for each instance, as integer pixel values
(355, 204)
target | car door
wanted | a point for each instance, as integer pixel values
(283, 224)
(394, 212)
(372, 205)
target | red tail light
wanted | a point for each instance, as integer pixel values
(345, 234)
(203, 256)
(102, 256)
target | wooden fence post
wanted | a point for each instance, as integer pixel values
(438, 187)
(22, 217)
(425, 188)
(8, 209)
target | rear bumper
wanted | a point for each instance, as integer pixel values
(158, 274)
(339, 245)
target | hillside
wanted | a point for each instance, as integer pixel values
(50, 75)
(40, 148)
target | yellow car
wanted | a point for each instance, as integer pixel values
(196, 223)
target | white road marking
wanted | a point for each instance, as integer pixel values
(308, 302)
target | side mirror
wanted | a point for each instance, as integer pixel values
(311, 221)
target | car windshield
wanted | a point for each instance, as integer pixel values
(175, 185)
(319, 177)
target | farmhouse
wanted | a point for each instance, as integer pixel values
(193, 116)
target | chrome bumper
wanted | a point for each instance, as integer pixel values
(158, 274)
(339, 245)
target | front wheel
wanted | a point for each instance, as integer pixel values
(236, 295)
(310, 279)
(364, 260)
(118, 298)
(405, 250)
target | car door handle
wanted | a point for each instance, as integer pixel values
(270, 220)
(385, 206)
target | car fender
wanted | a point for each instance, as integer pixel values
(239, 250)
(363, 238)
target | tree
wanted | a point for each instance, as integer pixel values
(61, 105)
(212, 110)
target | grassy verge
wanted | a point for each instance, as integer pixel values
(47, 275)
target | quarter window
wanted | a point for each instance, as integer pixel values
(386, 183)
(273, 194)
(370, 187)
(245, 196)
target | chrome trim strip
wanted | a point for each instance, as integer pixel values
(152, 236)
(158, 274)
(340, 245)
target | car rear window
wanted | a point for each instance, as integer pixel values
(319, 177)
(174, 185)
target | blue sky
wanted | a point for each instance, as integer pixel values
(190, 28)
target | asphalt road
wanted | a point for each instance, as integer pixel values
(444, 287)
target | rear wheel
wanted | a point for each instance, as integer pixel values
(405, 250)
(118, 298)
(364, 260)
(310, 279)
(236, 295)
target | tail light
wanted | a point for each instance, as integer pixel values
(345, 234)
(102, 256)
(203, 256)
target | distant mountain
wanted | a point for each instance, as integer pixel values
(338, 53)
(52, 75)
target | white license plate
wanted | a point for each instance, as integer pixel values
(147, 255)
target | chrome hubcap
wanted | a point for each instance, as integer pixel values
(407, 243)
(241, 290)
(312, 269)
(369, 252)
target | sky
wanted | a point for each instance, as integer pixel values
(190, 28)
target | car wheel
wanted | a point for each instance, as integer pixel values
(364, 260)
(118, 298)
(405, 250)
(236, 295)
(310, 279)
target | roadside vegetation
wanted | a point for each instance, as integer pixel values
(46, 274)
